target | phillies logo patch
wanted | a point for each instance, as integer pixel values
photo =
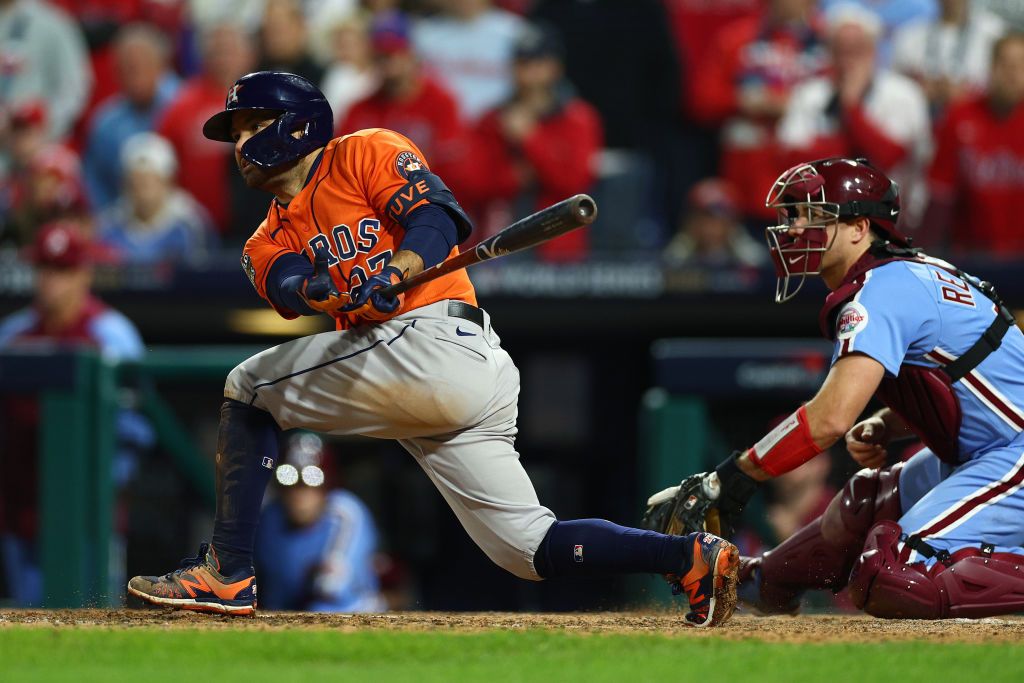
(406, 162)
(852, 319)
(577, 553)
(268, 462)
(233, 94)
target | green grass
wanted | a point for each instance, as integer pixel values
(183, 656)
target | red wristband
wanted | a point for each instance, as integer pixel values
(787, 446)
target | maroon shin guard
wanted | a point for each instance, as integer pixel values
(971, 584)
(822, 553)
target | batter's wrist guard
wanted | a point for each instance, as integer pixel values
(736, 487)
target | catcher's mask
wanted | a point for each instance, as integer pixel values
(800, 239)
(812, 197)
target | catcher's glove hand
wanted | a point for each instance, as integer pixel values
(686, 508)
(708, 501)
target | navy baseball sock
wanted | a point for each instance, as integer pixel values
(246, 455)
(592, 547)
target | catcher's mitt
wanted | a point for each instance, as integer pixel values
(684, 509)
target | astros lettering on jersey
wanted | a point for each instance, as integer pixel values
(349, 206)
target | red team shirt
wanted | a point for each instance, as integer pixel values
(430, 117)
(979, 165)
(208, 161)
(349, 206)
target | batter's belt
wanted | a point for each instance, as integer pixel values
(460, 309)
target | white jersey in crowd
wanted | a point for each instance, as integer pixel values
(962, 54)
(472, 58)
(44, 57)
(894, 103)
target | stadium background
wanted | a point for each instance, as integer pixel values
(581, 323)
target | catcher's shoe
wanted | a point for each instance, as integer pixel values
(198, 585)
(760, 599)
(710, 584)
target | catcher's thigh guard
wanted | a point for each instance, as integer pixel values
(969, 584)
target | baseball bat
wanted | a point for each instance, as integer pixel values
(537, 228)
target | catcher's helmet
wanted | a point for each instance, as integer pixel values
(297, 104)
(826, 190)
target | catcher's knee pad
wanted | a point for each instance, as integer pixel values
(821, 554)
(970, 583)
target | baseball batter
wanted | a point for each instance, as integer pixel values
(940, 535)
(350, 216)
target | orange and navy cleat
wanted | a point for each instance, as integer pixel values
(198, 585)
(710, 584)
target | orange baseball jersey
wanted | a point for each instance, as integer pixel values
(351, 206)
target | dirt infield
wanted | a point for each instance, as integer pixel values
(800, 629)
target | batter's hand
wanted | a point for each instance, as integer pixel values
(866, 442)
(369, 304)
(319, 291)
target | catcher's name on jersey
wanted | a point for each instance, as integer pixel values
(920, 313)
(352, 206)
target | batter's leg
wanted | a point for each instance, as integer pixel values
(478, 472)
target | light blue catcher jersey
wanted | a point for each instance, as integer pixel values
(921, 314)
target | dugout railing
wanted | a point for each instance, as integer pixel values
(78, 393)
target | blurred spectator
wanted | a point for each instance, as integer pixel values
(537, 148)
(101, 22)
(1011, 11)
(64, 312)
(43, 56)
(207, 165)
(745, 81)
(23, 135)
(284, 41)
(351, 75)
(469, 47)
(622, 59)
(800, 496)
(696, 25)
(949, 57)
(315, 546)
(208, 14)
(711, 234)
(893, 14)
(49, 188)
(154, 220)
(410, 102)
(147, 86)
(977, 176)
(859, 110)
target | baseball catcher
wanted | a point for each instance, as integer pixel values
(939, 535)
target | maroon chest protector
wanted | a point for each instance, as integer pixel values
(922, 396)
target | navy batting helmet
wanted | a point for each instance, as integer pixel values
(296, 104)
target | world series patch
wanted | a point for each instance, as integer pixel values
(249, 269)
(406, 162)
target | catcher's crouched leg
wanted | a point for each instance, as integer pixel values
(821, 554)
(969, 583)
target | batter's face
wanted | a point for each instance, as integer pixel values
(245, 124)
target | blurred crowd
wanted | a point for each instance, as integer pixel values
(677, 115)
